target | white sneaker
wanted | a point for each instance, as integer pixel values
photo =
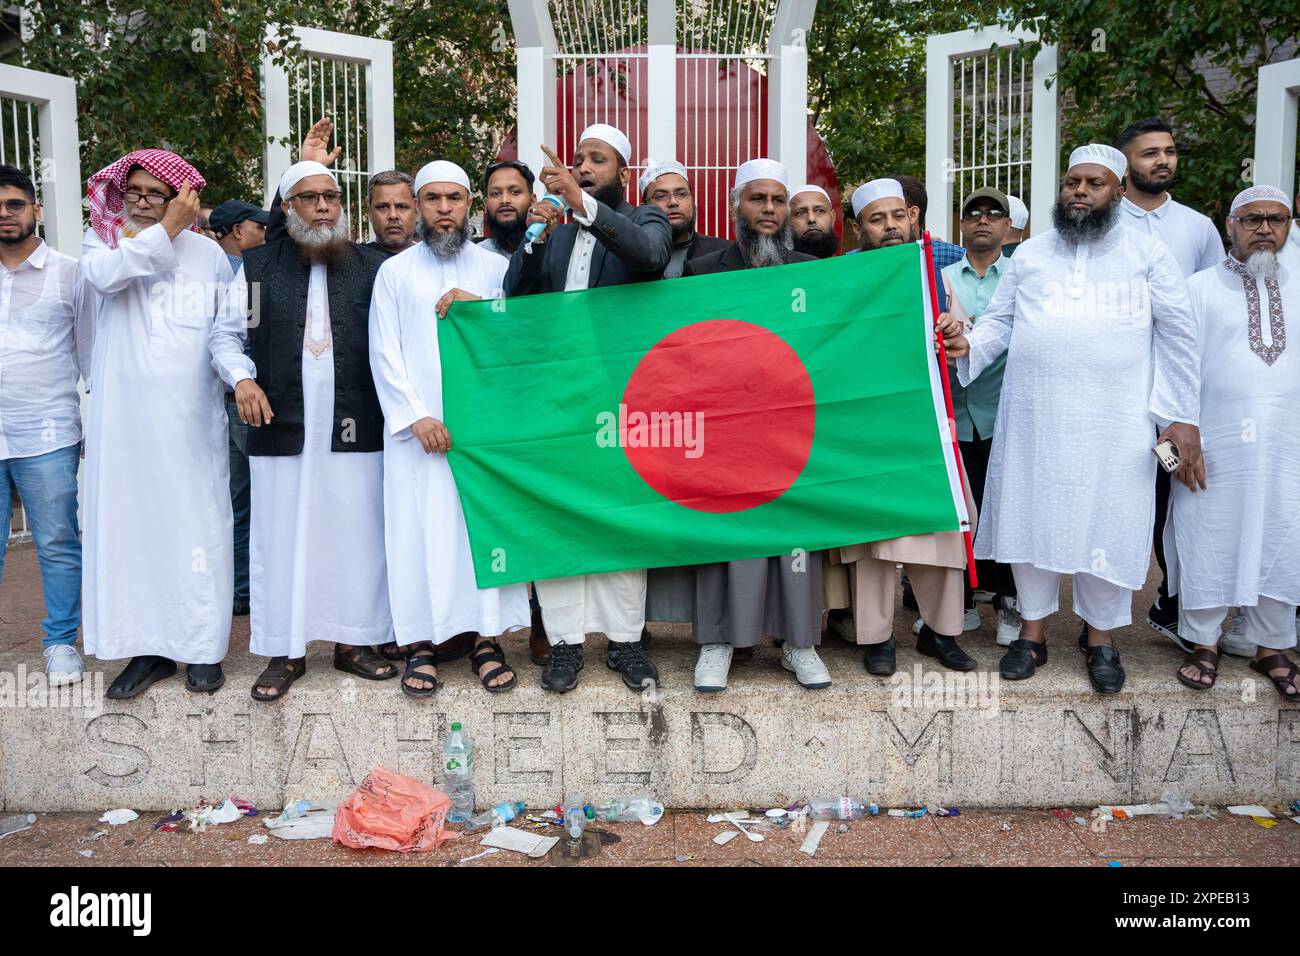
(1233, 640)
(807, 667)
(63, 664)
(983, 597)
(712, 666)
(1008, 623)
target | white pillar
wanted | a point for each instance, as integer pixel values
(1045, 142)
(787, 87)
(535, 82)
(661, 79)
(1278, 102)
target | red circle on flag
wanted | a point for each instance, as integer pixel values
(719, 416)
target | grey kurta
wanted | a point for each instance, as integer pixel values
(741, 602)
(670, 594)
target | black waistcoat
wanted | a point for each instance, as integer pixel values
(277, 277)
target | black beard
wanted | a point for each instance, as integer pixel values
(763, 250)
(684, 232)
(611, 194)
(865, 244)
(508, 235)
(23, 237)
(816, 243)
(1094, 224)
(1142, 184)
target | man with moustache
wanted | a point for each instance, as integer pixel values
(431, 578)
(1101, 346)
(316, 553)
(1236, 528)
(607, 243)
(157, 552)
(738, 603)
(390, 203)
(507, 196)
(45, 311)
(812, 222)
(934, 562)
(665, 185)
(1149, 208)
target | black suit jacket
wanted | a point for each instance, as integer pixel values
(730, 259)
(632, 245)
(705, 246)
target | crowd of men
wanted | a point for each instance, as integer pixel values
(264, 426)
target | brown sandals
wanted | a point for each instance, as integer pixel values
(1206, 663)
(363, 662)
(1284, 684)
(279, 675)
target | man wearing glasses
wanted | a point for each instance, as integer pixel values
(45, 317)
(316, 552)
(158, 559)
(970, 283)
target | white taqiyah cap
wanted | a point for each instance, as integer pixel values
(1019, 212)
(299, 171)
(868, 193)
(655, 168)
(810, 188)
(609, 134)
(754, 169)
(441, 171)
(1260, 194)
(1102, 155)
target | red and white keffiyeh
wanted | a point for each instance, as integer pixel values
(104, 189)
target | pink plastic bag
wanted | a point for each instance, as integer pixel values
(392, 812)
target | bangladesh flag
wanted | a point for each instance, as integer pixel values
(709, 418)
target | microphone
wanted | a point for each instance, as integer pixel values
(537, 228)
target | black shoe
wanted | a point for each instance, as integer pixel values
(539, 648)
(1103, 669)
(1163, 618)
(204, 678)
(740, 655)
(240, 609)
(141, 673)
(645, 638)
(628, 658)
(909, 596)
(561, 671)
(1022, 659)
(878, 659)
(1083, 636)
(944, 650)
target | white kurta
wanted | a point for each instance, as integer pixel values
(1239, 539)
(157, 553)
(431, 580)
(1100, 345)
(316, 564)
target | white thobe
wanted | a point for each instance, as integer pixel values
(431, 583)
(1192, 237)
(316, 564)
(1239, 539)
(1101, 345)
(157, 552)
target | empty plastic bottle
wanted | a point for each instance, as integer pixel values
(458, 766)
(498, 816)
(10, 825)
(627, 809)
(837, 808)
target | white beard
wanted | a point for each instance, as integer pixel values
(318, 242)
(133, 226)
(1262, 264)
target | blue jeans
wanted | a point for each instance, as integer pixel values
(240, 499)
(47, 485)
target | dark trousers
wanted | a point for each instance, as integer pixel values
(992, 576)
(240, 498)
(1163, 485)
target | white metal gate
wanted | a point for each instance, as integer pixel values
(991, 120)
(38, 134)
(350, 79)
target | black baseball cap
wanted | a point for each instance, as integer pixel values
(231, 213)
